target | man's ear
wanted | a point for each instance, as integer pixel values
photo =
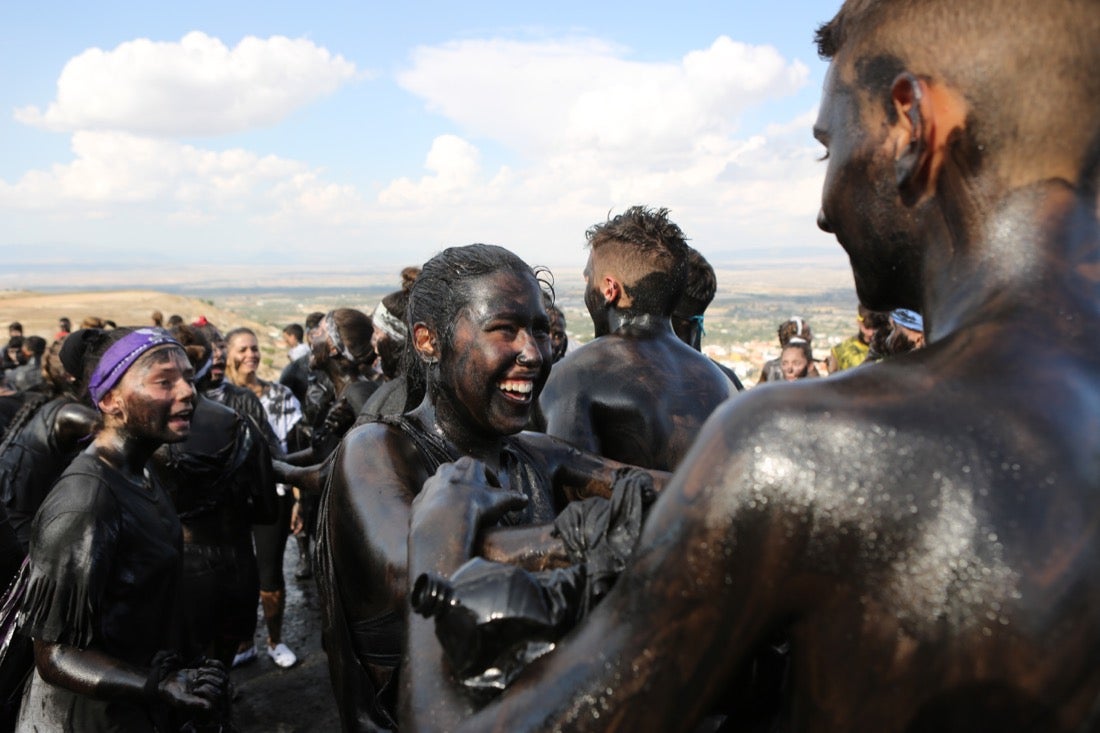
(425, 343)
(927, 114)
(912, 148)
(611, 289)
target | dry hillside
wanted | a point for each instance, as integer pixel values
(38, 312)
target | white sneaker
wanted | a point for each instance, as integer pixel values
(282, 656)
(244, 657)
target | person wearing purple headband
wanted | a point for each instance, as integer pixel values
(104, 566)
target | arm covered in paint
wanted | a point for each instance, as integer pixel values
(655, 652)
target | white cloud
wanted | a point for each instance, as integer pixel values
(455, 166)
(591, 131)
(196, 86)
(111, 170)
(555, 96)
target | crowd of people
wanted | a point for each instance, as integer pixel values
(509, 534)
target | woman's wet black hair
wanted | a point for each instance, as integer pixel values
(440, 293)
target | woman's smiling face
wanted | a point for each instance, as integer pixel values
(499, 356)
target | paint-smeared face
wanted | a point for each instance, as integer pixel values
(217, 361)
(500, 355)
(559, 340)
(157, 396)
(244, 354)
(860, 201)
(793, 362)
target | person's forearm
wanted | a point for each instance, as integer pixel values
(431, 699)
(307, 478)
(303, 457)
(88, 672)
(532, 548)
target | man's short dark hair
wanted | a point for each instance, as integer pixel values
(36, 345)
(648, 251)
(314, 319)
(295, 330)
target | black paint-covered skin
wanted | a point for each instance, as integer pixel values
(638, 395)
(502, 335)
(82, 679)
(926, 530)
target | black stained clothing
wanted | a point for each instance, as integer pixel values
(246, 403)
(221, 472)
(364, 654)
(219, 480)
(29, 464)
(330, 429)
(270, 542)
(9, 407)
(320, 394)
(104, 571)
(388, 399)
(296, 376)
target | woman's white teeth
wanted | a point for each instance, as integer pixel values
(518, 386)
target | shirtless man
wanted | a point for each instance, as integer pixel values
(687, 316)
(927, 530)
(637, 394)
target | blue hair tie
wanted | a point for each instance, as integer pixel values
(698, 321)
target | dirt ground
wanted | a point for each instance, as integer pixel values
(274, 700)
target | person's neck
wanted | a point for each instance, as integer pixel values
(1025, 251)
(448, 425)
(250, 381)
(124, 452)
(341, 378)
(631, 323)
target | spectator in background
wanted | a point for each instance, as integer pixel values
(687, 316)
(853, 351)
(175, 320)
(559, 339)
(10, 358)
(907, 333)
(157, 319)
(793, 327)
(796, 359)
(904, 332)
(28, 376)
(313, 325)
(295, 374)
(13, 353)
(64, 328)
(283, 413)
(390, 335)
(294, 335)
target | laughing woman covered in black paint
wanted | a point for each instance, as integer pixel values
(105, 558)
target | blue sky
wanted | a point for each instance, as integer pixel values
(374, 134)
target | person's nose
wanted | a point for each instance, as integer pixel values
(185, 391)
(529, 353)
(823, 223)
